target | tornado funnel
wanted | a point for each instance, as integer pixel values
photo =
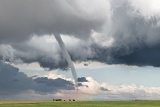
(67, 57)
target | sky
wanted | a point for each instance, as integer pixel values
(114, 46)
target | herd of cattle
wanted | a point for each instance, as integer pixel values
(63, 100)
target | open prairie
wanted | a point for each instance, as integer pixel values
(80, 104)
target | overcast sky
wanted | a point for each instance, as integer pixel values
(114, 46)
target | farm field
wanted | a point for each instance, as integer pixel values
(80, 104)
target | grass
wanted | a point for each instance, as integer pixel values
(80, 103)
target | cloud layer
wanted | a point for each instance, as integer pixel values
(107, 31)
(17, 85)
(21, 19)
(13, 82)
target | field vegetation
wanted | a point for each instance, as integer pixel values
(137, 103)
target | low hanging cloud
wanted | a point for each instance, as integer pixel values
(13, 82)
(17, 85)
(82, 79)
(107, 31)
(46, 52)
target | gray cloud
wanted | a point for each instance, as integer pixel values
(136, 37)
(17, 85)
(46, 52)
(20, 18)
(133, 29)
(103, 89)
(82, 79)
(46, 85)
(13, 82)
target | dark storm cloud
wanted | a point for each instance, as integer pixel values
(82, 79)
(47, 62)
(52, 85)
(142, 57)
(47, 54)
(12, 82)
(138, 56)
(136, 38)
(137, 41)
(132, 25)
(20, 19)
(63, 65)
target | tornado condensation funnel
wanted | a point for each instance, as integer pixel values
(67, 57)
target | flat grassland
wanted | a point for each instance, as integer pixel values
(139, 103)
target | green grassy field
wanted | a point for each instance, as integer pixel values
(80, 104)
